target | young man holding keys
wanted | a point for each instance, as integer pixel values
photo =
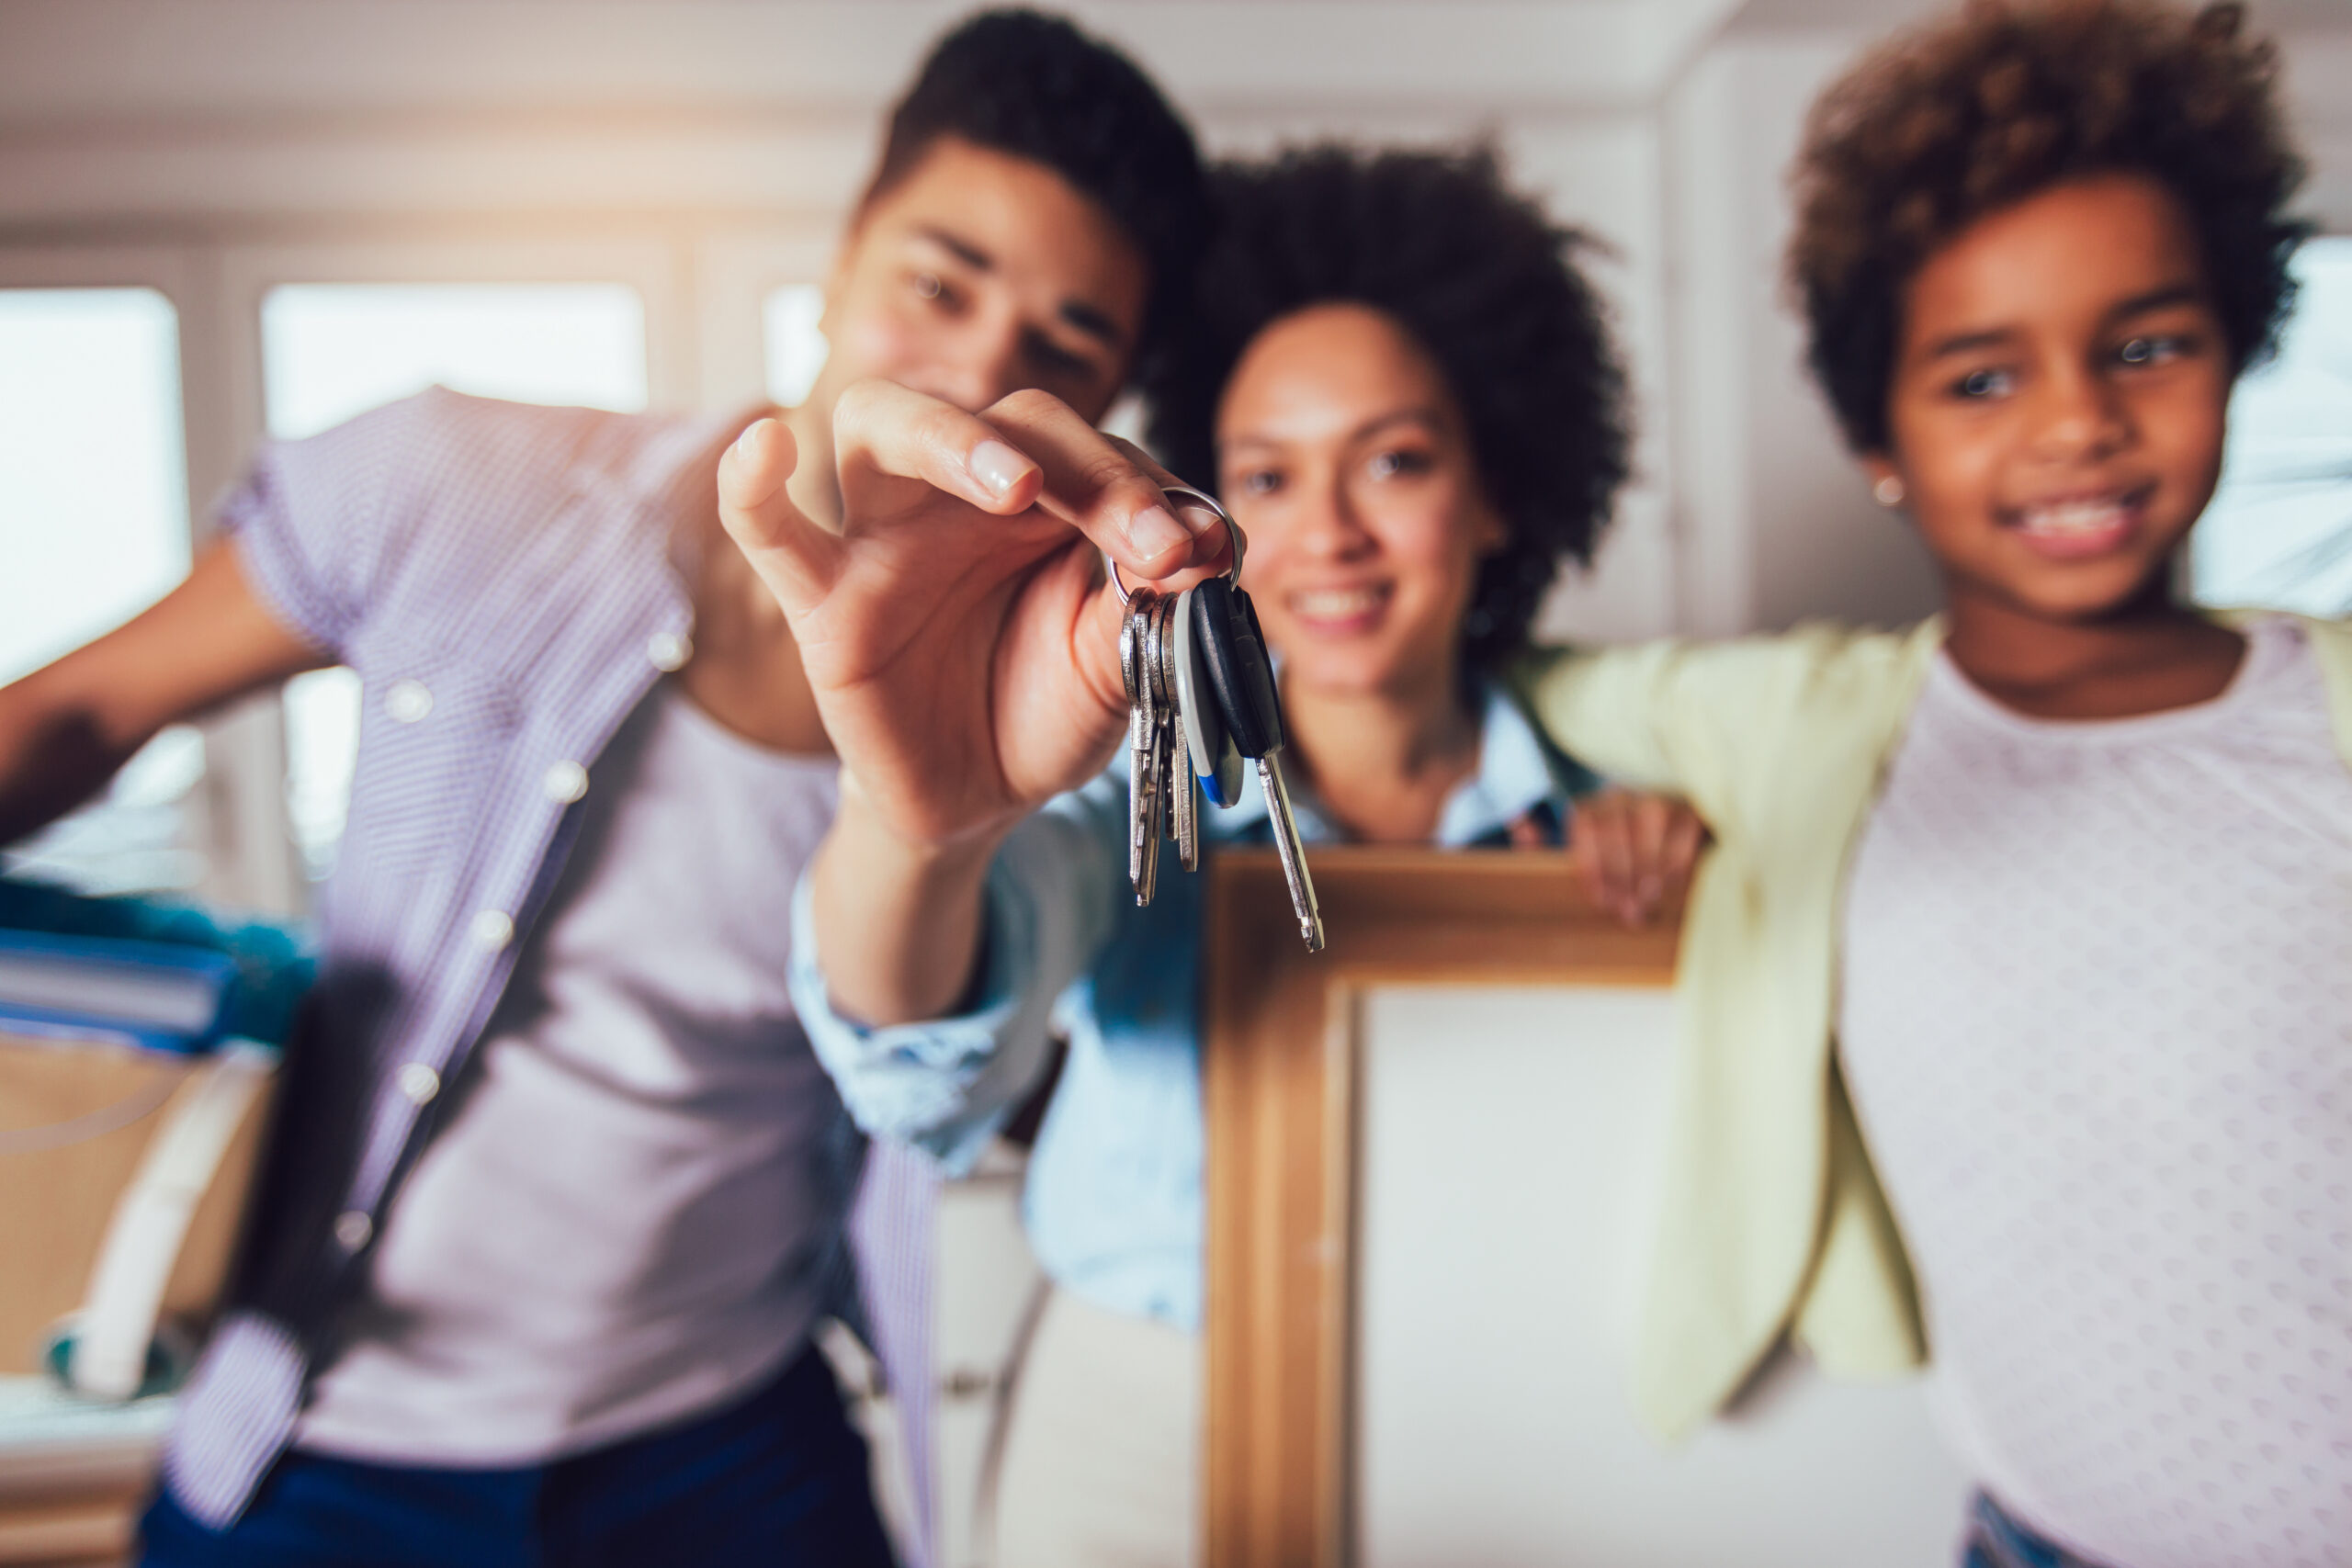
(560, 1190)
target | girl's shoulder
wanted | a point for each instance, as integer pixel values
(2331, 641)
(1716, 718)
(2331, 646)
(1818, 661)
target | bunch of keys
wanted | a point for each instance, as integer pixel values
(1201, 697)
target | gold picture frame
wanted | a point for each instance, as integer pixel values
(1280, 1049)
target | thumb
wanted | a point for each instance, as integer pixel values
(798, 560)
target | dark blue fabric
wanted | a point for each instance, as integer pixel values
(779, 1479)
(1996, 1540)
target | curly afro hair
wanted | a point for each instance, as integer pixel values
(1033, 85)
(1483, 281)
(1942, 126)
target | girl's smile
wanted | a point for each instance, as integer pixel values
(2083, 525)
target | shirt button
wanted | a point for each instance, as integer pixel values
(419, 1083)
(493, 928)
(408, 701)
(352, 1229)
(668, 650)
(565, 783)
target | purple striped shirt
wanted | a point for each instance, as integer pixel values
(508, 582)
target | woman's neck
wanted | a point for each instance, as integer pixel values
(2146, 656)
(1381, 763)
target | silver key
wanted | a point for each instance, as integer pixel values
(1154, 822)
(1292, 853)
(1183, 790)
(1163, 749)
(1143, 772)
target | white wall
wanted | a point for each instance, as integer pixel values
(1776, 524)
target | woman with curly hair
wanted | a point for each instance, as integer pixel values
(1406, 392)
(2017, 1026)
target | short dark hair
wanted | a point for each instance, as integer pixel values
(1034, 86)
(1483, 281)
(1943, 126)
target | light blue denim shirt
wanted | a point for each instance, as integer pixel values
(1113, 1198)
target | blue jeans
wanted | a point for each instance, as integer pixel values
(1997, 1540)
(778, 1479)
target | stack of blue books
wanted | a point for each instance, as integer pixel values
(103, 988)
(159, 975)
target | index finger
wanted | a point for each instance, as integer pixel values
(1109, 490)
(892, 442)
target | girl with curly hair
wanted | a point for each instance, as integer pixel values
(2016, 1023)
(1405, 391)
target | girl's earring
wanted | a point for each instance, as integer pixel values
(1888, 491)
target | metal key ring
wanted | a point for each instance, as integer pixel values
(1185, 495)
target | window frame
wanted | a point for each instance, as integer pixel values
(653, 267)
(249, 855)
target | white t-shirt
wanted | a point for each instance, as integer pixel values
(626, 1217)
(2097, 1022)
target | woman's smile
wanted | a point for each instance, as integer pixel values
(1352, 610)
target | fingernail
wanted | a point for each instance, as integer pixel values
(1652, 890)
(1155, 532)
(743, 443)
(997, 465)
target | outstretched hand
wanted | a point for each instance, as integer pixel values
(958, 633)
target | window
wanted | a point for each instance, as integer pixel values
(795, 348)
(93, 527)
(2278, 533)
(333, 350)
(330, 351)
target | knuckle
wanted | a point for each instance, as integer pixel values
(1119, 490)
(859, 413)
(859, 398)
(947, 430)
(1140, 460)
(1029, 405)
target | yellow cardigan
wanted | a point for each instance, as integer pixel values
(1772, 1219)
